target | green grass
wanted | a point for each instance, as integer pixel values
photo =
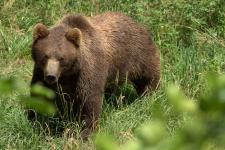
(189, 36)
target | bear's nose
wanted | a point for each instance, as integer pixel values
(51, 78)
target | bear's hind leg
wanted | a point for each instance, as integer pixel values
(141, 86)
(145, 85)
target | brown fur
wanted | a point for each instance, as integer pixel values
(86, 53)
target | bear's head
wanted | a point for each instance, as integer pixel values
(55, 50)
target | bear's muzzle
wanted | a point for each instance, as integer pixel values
(51, 72)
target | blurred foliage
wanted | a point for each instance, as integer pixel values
(38, 101)
(39, 90)
(207, 125)
(8, 85)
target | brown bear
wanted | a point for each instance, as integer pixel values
(87, 53)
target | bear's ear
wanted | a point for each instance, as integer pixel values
(74, 35)
(39, 31)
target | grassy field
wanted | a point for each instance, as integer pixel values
(189, 36)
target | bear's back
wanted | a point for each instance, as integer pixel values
(113, 19)
(122, 31)
(128, 42)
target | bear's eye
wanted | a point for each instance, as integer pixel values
(46, 57)
(61, 59)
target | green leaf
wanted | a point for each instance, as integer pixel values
(180, 103)
(40, 90)
(40, 105)
(152, 133)
(104, 143)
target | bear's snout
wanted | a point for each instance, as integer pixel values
(51, 78)
(51, 72)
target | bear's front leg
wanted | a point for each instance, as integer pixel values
(88, 93)
(90, 112)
